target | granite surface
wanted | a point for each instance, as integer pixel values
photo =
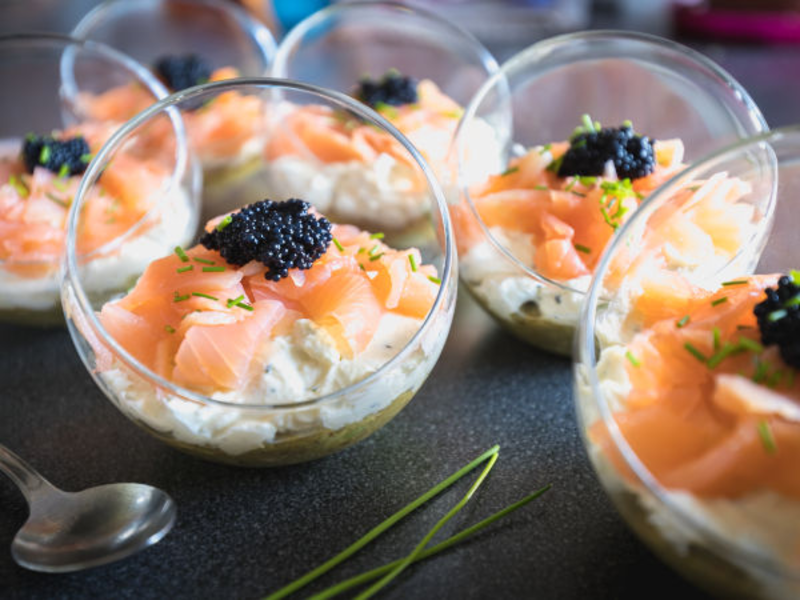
(243, 533)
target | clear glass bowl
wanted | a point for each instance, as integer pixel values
(736, 542)
(53, 76)
(270, 430)
(340, 45)
(538, 98)
(231, 41)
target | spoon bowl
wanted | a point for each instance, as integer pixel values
(68, 531)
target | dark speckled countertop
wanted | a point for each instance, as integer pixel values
(242, 533)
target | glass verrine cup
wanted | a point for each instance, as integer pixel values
(190, 42)
(531, 226)
(301, 394)
(45, 148)
(414, 67)
(685, 380)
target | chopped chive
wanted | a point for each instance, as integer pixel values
(684, 321)
(376, 236)
(202, 295)
(234, 301)
(717, 338)
(633, 360)
(792, 301)
(767, 440)
(61, 186)
(44, 155)
(361, 250)
(338, 245)
(570, 185)
(225, 222)
(727, 350)
(362, 267)
(244, 305)
(555, 164)
(775, 378)
(776, 315)
(736, 282)
(184, 269)
(541, 188)
(695, 352)
(213, 269)
(761, 371)
(509, 171)
(181, 254)
(795, 274)
(374, 249)
(179, 298)
(413, 262)
(584, 249)
(627, 123)
(545, 148)
(587, 181)
(375, 257)
(205, 261)
(87, 158)
(435, 280)
(169, 329)
(56, 199)
(588, 124)
(63, 172)
(19, 185)
(719, 301)
(750, 344)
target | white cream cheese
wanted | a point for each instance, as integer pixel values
(505, 289)
(175, 225)
(304, 364)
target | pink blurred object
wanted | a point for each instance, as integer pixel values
(753, 25)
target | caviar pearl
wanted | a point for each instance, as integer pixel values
(632, 154)
(181, 72)
(779, 319)
(393, 89)
(280, 235)
(65, 157)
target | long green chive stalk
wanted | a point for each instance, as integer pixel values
(376, 531)
(375, 588)
(428, 552)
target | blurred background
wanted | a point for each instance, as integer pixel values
(757, 40)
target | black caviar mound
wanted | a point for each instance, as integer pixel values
(280, 235)
(181, 72)
(65, 157)
(588, 153)
(393, 89)
(779, 319)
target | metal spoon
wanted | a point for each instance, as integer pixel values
(71, 531)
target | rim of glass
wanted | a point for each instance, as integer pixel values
(265, 84)
(265, 41)
(154, 86)
(296, 33)
(540, 50)
(587, 355)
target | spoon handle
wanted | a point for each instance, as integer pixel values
(27, 479)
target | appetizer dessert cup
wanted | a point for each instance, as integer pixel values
(702, 465)
(205, 40)
(37, 190)
(415, 68)
(679, 99)
(269, 426)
